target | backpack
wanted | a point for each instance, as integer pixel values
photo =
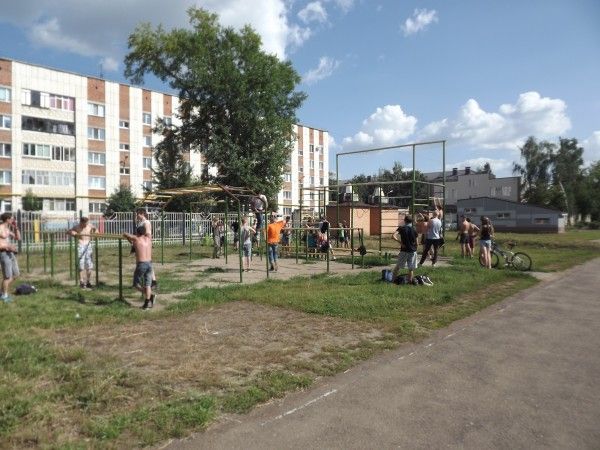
(387, 275)
(25, 289)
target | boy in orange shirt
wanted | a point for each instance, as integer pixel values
(273, 233)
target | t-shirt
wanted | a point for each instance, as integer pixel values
(273, 231)
(434, 229)
(246, 235)
(408, 238)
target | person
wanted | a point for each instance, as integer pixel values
(273, 233)
(463, 237)
(247, 232)
(323, 238)
(473, 232)
(142, 222)
(286, 235)
(8, 260)
(421, 228)
(235, 227)
(83, 230)
(346, 234)
(341, 238)
(217, 232)
(406, 235)
(485, 242)
(258, 204)
(142, 277)
(433, 240)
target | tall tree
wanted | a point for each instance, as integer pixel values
(238, 103)
(567, 172)
(121, 200)
(536, 170)
(31, 202)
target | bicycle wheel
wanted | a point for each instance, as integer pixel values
(521, 261)
(494, 257)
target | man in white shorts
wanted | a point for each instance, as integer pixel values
(83, 230)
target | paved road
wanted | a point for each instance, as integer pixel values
(524, 373)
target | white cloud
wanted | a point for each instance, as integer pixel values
(313, 12)
(591, 147)
(93, 28)
(498, 165)
(344, 5)
(109, 64)
(386, 126)
(325, 69)
(531, 114)
(420, 20)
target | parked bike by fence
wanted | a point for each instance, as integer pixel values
(518, 260)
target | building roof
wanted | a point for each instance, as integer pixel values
(510, 202)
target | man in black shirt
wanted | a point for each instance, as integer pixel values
(407, 237)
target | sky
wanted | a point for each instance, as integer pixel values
(482, 75)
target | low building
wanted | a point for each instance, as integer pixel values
(513, 216)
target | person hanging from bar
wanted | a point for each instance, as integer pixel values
(83, 231)
(142, 222)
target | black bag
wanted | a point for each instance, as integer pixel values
(25, 289)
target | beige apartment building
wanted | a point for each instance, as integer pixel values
(73, 139)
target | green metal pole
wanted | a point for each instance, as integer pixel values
(380, 218)
(45, 256)
(121, 269)
(27, 253)
(190, 233)
(226, 227)
(240, 243)
(337, 189)
(328, 243)
(52, 255)
(75, 262)
(297, 244)
(414, 179)
(352, 224)
(162, 238)
(97, 256)
(444, 188)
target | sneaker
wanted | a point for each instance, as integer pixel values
(7, 298)
(419, 280)
(146, 306)
(88, 285)
(152, 300)
(82, 285)
(272, 268)
(426, 281)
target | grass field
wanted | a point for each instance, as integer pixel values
(81, 370)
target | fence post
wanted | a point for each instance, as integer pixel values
(52, 255)
(97, 259)
(20, 225)
(76, 261)
(121, 269)
(44, 247)
(27, 253)
(190, 237)
(70, 257)
(183, 229)
(162, 238)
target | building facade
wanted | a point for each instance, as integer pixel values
(72, 139)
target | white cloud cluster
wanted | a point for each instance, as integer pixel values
(93, 28)
(313, 12)
(325, 69)
(591, 147)
(420, 20)
(386, 126)
(498, 165)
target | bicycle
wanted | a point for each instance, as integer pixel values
(519, 260)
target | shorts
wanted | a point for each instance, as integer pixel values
(464, 238)
(84, 252)
(10, 268)
(247, 249)
(142, 277)
(408, 259)
(485, 244)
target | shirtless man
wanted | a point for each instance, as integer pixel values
(463, 237)
(8, 260)
(142, 277)
(83, 230)
(142, 222)
(473, 232)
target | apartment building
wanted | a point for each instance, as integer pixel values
(73, 139)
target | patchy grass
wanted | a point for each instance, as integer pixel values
(81, 370)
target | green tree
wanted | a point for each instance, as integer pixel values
(121, 200)
(586, 198)
(238, 103)
(31, 202)
(536, 170)
(567, 173)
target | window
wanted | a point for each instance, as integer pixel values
(147, 185)
(97, 158)
(124, 147)
(541, 220)
(97, 183)
(123, 124)
(124, 170)
(5, 121)
(167, 121)
(6, 206)
(64, 103)
(311, 195)
(319, 148)
(26, 97)
(60, 153)
(147, 141)
(321, 181)
(506, 191)
(471, 183)
(58, 204)
(94, 109)
(287, 211)
(5, 177)
(97, 207)
(312, 164)
(46, 178)
(96, 133)
(4, 94)
(300, 152)
(470, 210)
(36, 150)
(503, 215)
(5, 150)
(287, 177)
(300, 169)
(147, 163)
(287, 195)
(47, 125)
(320, 165)
(311, 148)
(147, 118)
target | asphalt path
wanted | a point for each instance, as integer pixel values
(522, 374)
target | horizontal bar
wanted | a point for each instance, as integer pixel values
(389, 148)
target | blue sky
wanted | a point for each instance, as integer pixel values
(483, 75)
